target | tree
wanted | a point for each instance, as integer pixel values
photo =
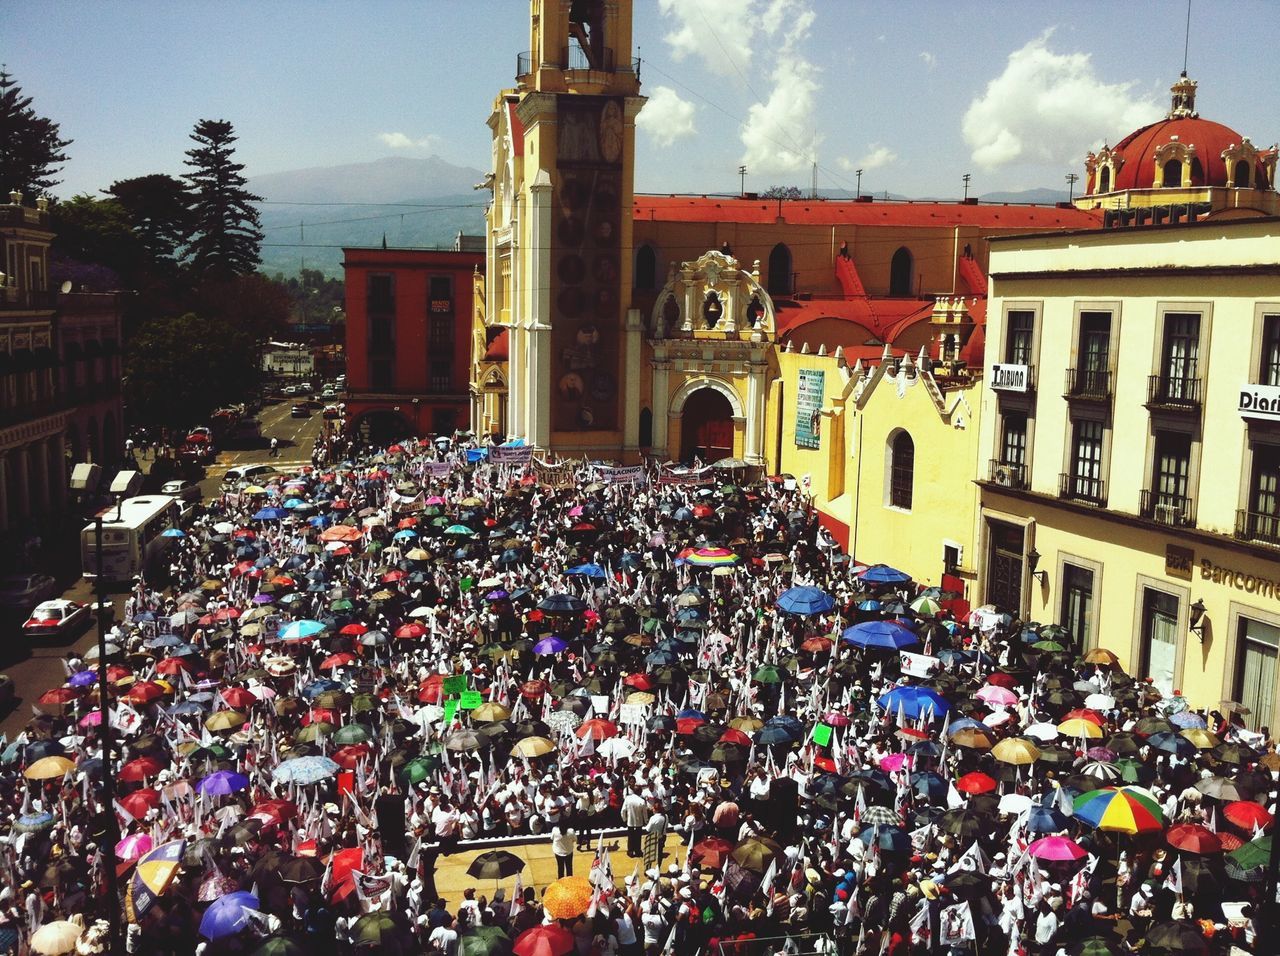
(782, 192)
(31, 146)
(226, 231)
(159, 209)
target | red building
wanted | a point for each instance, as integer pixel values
(409, 319)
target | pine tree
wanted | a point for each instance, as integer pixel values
(31, 147)
(226, 231)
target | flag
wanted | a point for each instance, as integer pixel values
(920, 925)
(955, 925)
(1173, 882)
(973, 860)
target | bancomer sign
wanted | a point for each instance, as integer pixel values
(1261, 402)
(1013, 378)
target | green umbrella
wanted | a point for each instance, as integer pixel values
(313, 732)
(1249, 863)
(1047, 646)
(330, 700)
(767, 674)
(419, 769)
(341, 605)
(352, 734)
(381, 931)
(1095, 946)
(484, 941)
(363, 702)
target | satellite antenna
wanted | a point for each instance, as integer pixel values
(66, 286)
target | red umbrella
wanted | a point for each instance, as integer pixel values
(1193, 838)
(687, 725)
(354, 629)
(274, 812)
(411, 631)
(712, 852)
(319, 715)
(703, 511)
(206, 620)
(227, 614)
(1000, 679)
(431, 689)
(817, 645)
(598, 729)
(341, 659)
(172, 666)
(349, 757)
(117, 672)
(140, 801)
(975, 783)
(732, 736)
(531, 689)
(144, 693)
(140, 768)
(391, 577)
(408, 522)
(239, 697)
(1084, 713)
(59, 695)
(283, 580)
(551, 939)
(343, 862)
(638, 681)
(1247, 815)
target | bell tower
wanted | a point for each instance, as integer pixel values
(565, 151)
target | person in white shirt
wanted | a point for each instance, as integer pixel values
(562, 845)
(444, 939)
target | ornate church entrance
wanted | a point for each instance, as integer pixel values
(706, 427)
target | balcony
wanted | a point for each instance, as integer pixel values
(1258, 526)
(1176, 393)
(1088, 384)
(1177, 511)
(572, 58)
(1008, 474)
(1011, 379)
(1089, 491)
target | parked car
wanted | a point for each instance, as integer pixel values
(23, 591)
(55, 618)
(300, 411)
(248, 472)
(186, 491)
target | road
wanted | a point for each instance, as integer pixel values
(35, 667)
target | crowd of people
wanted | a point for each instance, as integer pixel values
(351, 674)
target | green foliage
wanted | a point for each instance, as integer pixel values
(314, 299)
(31, 147)
(98, 231)
(158, 208)
(782, 192)
(226, 234)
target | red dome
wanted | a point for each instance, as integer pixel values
(1209, 139)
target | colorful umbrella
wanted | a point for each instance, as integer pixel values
(151, 878)
(1120, 809)
(568, 897)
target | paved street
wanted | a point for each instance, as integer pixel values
(35, 667)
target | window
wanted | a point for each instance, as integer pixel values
(900, 273)
(1159, 638)
(1269, 372)
(381, 295)
(1197, 173)
(901, 471)
(1241, 175)
(1011, 468)
(440, 332)
(381, 333)
(1086, 460)
(1077, 602)
(1178, 382)
(1104, 180)
(779, 270)
(380, 375)
(1169, 480)
(440, 295)
(440, 378)
(1172, 173)
(646, 428)
(646, 267)
(1017, 349)
(1255, 675)
(1095, 351)
(1262, 520)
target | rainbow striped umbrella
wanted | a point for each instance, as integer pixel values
(1121, 809)
(712, 558)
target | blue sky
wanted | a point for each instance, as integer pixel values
(915, 93)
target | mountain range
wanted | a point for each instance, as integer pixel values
(309, 215)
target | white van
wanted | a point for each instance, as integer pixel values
(247, 473)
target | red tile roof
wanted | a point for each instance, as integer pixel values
(880, 317)
(829, 212)
(972, 279)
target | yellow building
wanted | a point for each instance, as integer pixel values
(1131, 430)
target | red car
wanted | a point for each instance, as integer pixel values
(55, 618)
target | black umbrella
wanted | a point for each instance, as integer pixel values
(495, 865)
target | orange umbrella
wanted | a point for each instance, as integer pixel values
(599, 729)
(340, 532)
(568, 897)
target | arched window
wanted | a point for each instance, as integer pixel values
(902, 466)
(1104, 180)
(646, 267)
(712, 310)
(1172, 174)
(779, 271)
(1197, 173)
(900, 272)
(1241, 175)
(646, 428)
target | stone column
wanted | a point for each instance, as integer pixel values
(661, 371)
(631, 379)
(537, 392)
(754, 438)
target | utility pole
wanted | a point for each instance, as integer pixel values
(742, 180)
(1072, 179)
(966, 177)
(859, 172)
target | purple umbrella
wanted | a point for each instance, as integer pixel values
(263, 599)
(222, 782)
(549, 645)
(1102, 754)
(1187, 719)
(83, 679)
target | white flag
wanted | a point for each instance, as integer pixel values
(955, 925)
(1173, 882)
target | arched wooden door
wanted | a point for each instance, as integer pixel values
(706, 427)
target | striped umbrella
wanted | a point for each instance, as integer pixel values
(1120, 809)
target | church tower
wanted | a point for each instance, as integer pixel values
(559, 231)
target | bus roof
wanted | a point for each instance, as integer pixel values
(132, 512)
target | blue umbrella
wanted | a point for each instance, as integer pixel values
(229, 915)
(929, 786)
(660, 659)
(883, 574)
(805, 601)
(319, 521)
(1046, 820)
(791, 724)
(562, 604)
(405, 534)
(1172, 744)
(550, 645)
(173, 533)
(164, 640)
(305, 770)
(291, 503)
(270, 514)
(871, 604)
(85, 678)
(961, 723)
(915, 701)
(223, 782)
(1185, 720)
(318, 687)
(691, 712)
(184, 708)
(888, 839)
(770, 736)
(295, 630)
(887, 634)
(588, 571)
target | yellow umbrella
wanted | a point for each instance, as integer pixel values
(255, 490)
(487, 713)
(533, 747)
(1018, 751)
(972, 737)
(418, 554)
(213, 584)
(641, 697)
(1100, 655)
(48, 768)
(56, 938)
(226, 720)
(251, 630)
(568, 897)
(1201, 738)
(748, 725)
(1080, 727)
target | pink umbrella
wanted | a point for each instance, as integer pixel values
(133, 846)
(834, 718)
(91, 719)
(996, 695)
(1057, 848)
(894, 762)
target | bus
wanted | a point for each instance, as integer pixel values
(127, 529)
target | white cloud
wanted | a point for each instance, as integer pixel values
(1050, 107)
(929, 59)
(878, 155)
(666, 117)
(717, 32)
(431, 142)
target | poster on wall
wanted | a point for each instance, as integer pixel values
(586, 264)
(809, 394)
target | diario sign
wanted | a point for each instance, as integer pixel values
(1261, 402)
(1010, 378)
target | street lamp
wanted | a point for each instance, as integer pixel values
(1033, 561)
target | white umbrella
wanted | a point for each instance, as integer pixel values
(1043, 731)
(92, 655)
(56, 938)
(1100, 702)
(616, 747)
(420, 612)
(1014, 803)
